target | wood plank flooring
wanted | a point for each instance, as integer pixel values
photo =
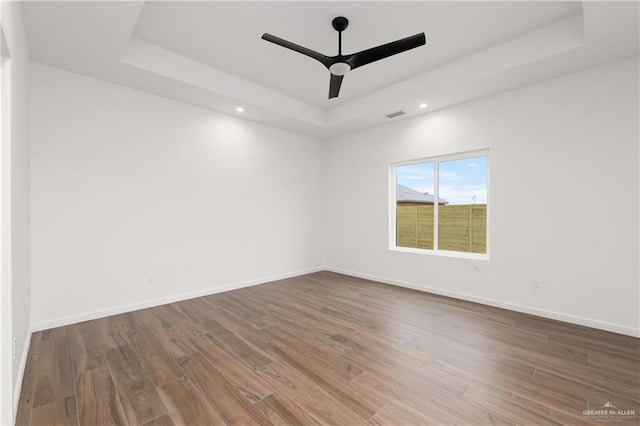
(326, 348)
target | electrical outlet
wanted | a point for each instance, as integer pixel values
(151, 279)
(535, 285)
(15, 348)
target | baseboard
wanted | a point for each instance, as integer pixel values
(23, 364)
(73, 319)
(574, 319)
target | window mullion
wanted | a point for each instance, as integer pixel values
(436, 203)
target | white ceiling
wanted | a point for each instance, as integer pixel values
(210, 53)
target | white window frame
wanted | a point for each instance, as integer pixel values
(436, 160)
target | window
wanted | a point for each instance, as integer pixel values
(440, 205)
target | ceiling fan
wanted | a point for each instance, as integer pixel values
(341, 64)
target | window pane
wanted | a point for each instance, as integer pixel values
(462, 221)
(414, 205)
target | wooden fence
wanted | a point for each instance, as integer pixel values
(460, 227)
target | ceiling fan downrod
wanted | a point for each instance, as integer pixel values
(340, 24)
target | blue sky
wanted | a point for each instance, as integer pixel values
(460, 180)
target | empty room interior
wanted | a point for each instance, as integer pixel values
(314, 213)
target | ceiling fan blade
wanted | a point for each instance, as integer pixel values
(334, 85)
(384, 51)
(323, 59)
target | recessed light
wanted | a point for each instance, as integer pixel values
(240, 109)
(423, 105)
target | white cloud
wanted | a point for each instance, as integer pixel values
(416, 171)
(472, 165)
(463, 194)
(413, 177)
(450, 176)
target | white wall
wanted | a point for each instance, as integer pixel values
(19, 279)
(563, 198)
(126, 184)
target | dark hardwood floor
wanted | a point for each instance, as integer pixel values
(328, 349)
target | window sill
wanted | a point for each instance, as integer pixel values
(443, 253)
